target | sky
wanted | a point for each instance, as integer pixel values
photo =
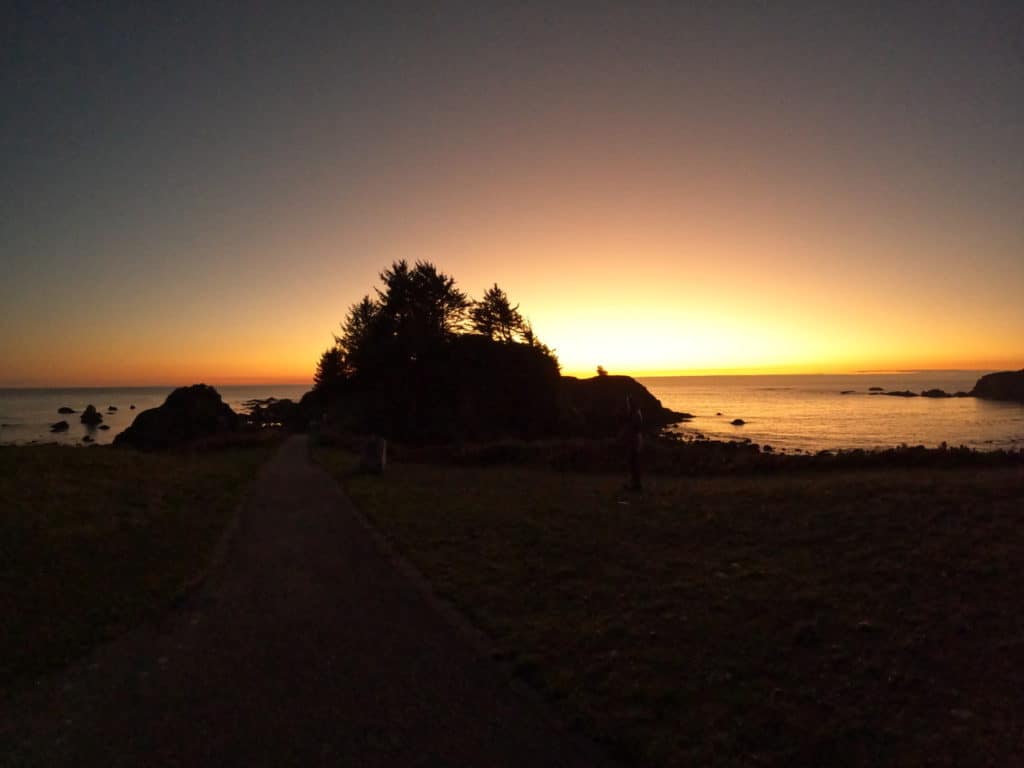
(199, 191)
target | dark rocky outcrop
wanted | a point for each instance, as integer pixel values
(271, 412)
(60, 426)
(737, 422)
(65, 409)
(902, 393)
(90, 416)
(111, 408)
(597, 406)
(1005, 385)
(88, 439)
(104, 427)
(187, 413)
(938, 393)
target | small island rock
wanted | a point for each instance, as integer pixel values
(737, 422)
(60, 426)
(65, 409)
(111, 408)
(935, 393)
(104, 427)
(187, 413)
(90, 416)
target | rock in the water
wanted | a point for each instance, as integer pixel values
(1006, 385)
(104, 427)
(88, 439)
(111, 408)
(187, 413)
(65, 409)
(737, 422)
(935, 393)
(903, 393)
(131, 407)
(876, 389)
(60, 426)
(90, 416)
(848, 392)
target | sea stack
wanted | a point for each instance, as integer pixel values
(188, 413)
(90, 416)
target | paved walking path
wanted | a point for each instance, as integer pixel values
(306, 647)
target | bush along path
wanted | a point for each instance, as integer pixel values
(306, 647)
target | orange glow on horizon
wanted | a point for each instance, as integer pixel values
(661, 190)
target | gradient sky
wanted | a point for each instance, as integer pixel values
(199, 191)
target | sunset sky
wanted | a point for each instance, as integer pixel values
(197, 192)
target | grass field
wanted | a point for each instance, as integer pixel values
(841, 619)
(95, 540)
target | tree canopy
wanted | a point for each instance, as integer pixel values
(496, 318)
(420, 359)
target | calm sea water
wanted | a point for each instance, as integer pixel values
(786, 412)
(809, 413)
(26, 414)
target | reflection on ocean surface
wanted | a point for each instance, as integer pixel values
(810, 413)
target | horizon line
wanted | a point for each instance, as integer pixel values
(671, 373)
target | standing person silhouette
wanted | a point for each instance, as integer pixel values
(634, 435)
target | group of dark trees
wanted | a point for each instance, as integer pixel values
(420, 360)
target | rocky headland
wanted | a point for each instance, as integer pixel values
(1005, 385)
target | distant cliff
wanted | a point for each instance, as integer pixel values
(1006, 385)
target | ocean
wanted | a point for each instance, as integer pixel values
(26, 414)
(809, 412)
(802, 412)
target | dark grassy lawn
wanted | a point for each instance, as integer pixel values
(864, 618)
(94, 540)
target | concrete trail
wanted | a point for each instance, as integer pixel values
(306, 647)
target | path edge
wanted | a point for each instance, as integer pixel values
(482, 645)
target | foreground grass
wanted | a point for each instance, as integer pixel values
(95, 540)
(868, 618)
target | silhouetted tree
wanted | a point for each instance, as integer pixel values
(330, 371)
(406, 367)
(530, 339)
(601, 371)
(420, 305)
(354, 341)
(495, 317)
